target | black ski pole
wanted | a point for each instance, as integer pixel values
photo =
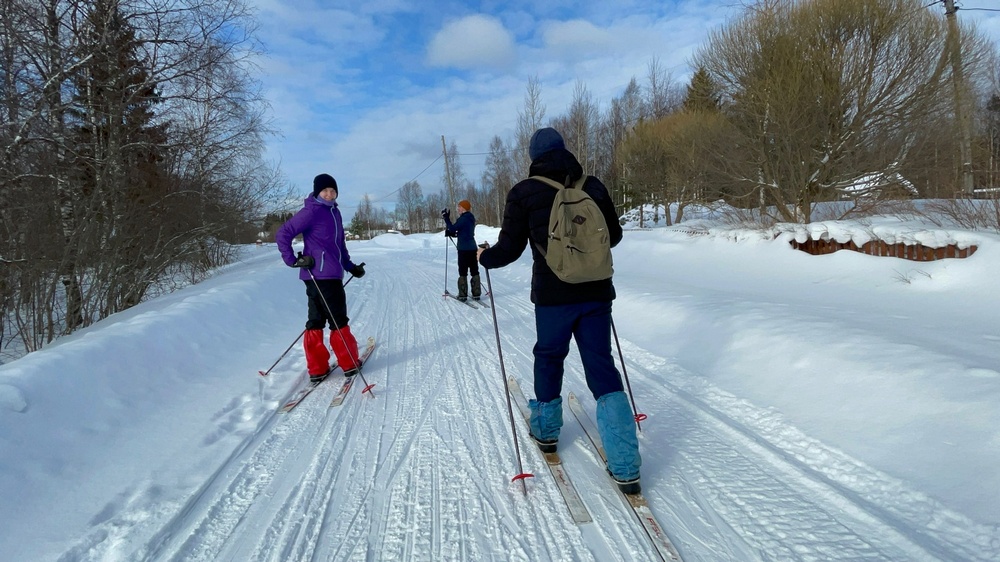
(446, 262)
(503, 373)
(638, 417)
(333, 324)
(453, 243)
(268, 371)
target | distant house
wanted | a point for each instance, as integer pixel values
(877, 185)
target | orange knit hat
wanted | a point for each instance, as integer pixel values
(464, 203)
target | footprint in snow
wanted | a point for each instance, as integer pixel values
(11, 398)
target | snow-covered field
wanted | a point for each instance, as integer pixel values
(843, 407)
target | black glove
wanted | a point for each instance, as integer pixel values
(358, 270)
(304, 261)
(451, 233)
(446, 214)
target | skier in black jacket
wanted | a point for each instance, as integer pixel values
(581, 311)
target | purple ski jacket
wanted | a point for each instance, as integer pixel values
(322, 230)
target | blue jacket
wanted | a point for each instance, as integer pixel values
(322, 230)
(465, 226)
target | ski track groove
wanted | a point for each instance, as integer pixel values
(404, 441)
(830, 512)
(299, 538)
(205, 517)
(287, 536)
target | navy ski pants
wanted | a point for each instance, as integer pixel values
(589, 324)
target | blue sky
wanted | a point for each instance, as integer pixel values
(364, 90)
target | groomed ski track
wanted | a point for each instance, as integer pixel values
(422, 470)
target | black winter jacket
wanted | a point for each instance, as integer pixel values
(526, 218)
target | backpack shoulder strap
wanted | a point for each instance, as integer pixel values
(558, 187)
(578, 184)
(549, 181)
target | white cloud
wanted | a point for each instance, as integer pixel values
(474, 42)
(577, 38)
(352, 96)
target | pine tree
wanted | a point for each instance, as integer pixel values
(119, 163)
(702, 93)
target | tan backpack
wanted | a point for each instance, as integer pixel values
(579, 246)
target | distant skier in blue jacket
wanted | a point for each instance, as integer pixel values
(323, 261)
(464, 228)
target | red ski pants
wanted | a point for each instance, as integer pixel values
(345, 349)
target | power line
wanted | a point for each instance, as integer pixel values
(394, 192)
(391, 193)
(958, 6)
(922, 8)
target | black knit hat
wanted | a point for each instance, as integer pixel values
(322, 182)
(543, 141)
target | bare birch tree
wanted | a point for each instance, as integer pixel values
(497, 179)
(579, 127)
(529, 120)
(409, 205)
(616, 125)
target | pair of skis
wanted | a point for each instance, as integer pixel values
(345, 387)
(578, 510)
(472, 303)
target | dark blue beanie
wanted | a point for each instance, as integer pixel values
(543, 141)
(322, 182)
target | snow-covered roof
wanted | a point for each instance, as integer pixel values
(875, 181)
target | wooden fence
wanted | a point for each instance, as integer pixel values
(915, 252)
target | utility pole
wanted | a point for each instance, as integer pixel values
(954, 46)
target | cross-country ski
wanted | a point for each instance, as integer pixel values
(468, 302)
(637, 502)
(345, 387)
(559, 475)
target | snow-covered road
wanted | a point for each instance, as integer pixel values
(422, 469)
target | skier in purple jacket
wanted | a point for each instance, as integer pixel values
(323, 261)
